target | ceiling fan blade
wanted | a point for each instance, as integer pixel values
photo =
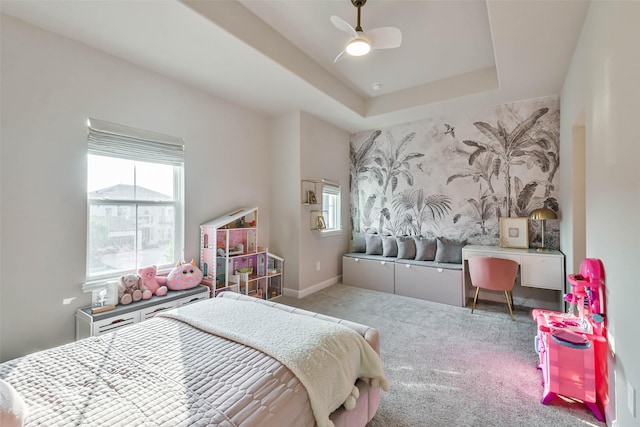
(384, 37)
(339, 56)
(343, 25)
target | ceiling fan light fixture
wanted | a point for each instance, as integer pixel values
(358, 47)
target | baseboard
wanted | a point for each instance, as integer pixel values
(311, 289)
(518, 301)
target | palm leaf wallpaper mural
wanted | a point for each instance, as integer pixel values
(456, 176)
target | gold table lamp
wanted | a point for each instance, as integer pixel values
(543, 214)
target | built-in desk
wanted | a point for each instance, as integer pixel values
(541, 278)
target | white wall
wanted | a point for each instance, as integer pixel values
(285, 194)
(50, 85)
(305, 147)
(324, 154)
(603, 81)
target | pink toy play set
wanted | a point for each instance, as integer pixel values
(573, 346)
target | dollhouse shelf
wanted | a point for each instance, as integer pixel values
(231, 260)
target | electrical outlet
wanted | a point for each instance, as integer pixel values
(631, 398)
(318, 266)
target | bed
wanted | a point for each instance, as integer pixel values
(200, 366)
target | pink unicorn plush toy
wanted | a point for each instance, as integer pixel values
(184, 276)
(152, 281)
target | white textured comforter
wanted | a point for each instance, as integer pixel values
(326, 357)
(159, 373)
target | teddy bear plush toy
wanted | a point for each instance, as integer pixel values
(131, 289)
(151, 280)
(185, 275)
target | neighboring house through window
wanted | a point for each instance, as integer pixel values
(135, 200)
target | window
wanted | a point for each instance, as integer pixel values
(331, 205)
(135, 206)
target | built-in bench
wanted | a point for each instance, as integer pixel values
(429, 280)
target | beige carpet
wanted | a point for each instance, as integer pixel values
(448, 367)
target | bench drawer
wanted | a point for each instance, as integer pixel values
(152, 312)
(368, 274)
(115, 323)
(429, 283)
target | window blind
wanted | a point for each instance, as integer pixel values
(330, 187)
(114, 140)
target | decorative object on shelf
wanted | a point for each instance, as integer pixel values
(311, 197)
(514, 232)
(105, 298)
(543, 214)
(185, 275)
(317, 220)
(237, 249)
(132, 289)
(322, 225)
(309, 191)
(151, 280)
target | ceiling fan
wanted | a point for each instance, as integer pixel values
(362, 42)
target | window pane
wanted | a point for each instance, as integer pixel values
(156, 235)
(120, 179)
(114, 238)
(112, 235)
(331, 204)
(110, 178)
(154, 181)
(328, 203)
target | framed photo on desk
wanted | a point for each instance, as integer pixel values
(514, 232)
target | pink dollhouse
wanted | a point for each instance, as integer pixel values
(231, 260)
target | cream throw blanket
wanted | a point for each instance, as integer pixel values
(326, 357)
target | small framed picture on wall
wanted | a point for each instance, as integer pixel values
(322, 225)
(514, 232)
(311, 197)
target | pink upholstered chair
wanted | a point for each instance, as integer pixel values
(496, 274)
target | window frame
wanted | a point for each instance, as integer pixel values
(335, 190)
(143, 155)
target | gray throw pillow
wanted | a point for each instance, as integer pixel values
(449, 251)
(425, 249)
(358, 244)
(373, 244)
(389, 246)
(406, 247)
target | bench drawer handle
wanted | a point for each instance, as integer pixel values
(439, 270)
(407, 265)
(357, 260)
(383, 262)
